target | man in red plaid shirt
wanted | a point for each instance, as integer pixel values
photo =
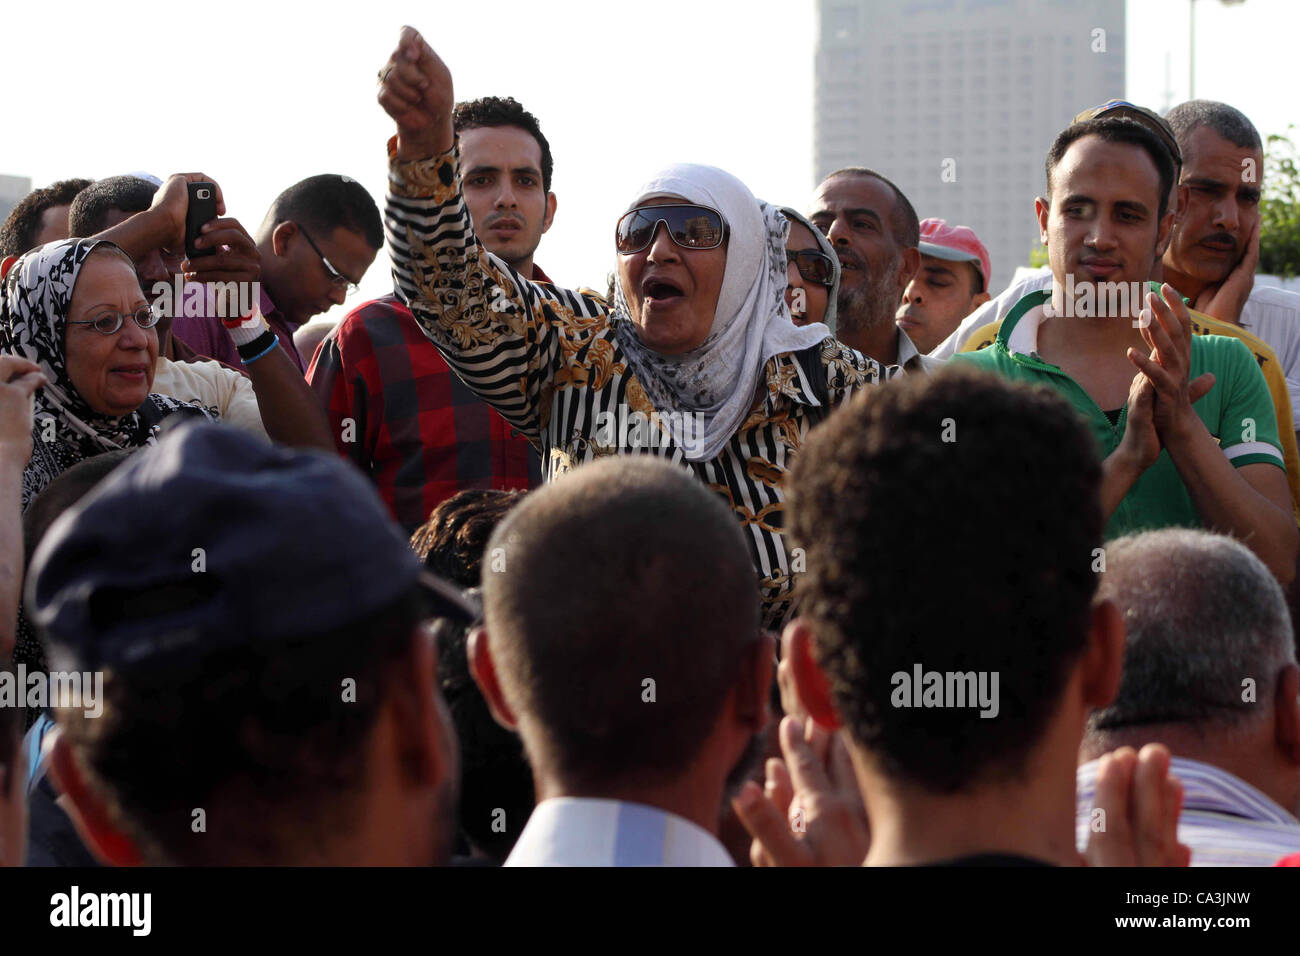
(396, 409)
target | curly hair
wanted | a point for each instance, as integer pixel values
(948, 522)
(504, 111)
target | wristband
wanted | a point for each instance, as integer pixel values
(260, 346)
(247, 329)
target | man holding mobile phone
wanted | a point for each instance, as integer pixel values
(316, 242)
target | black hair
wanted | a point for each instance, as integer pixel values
(504, 111)
(1117, 129)
(23, 224)
(89, 213)
(327, 202)
(930, 542)
(496, 783)
(903, 222)
(626, 579)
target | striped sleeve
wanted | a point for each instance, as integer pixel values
(498, 331)
(1248, 429)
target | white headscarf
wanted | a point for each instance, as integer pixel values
(751, 324)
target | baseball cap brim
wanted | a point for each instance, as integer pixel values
(445, 599)
(952, 255)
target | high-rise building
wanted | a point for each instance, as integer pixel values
(957, 101)
(12, 190)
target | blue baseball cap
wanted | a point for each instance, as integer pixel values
(215, 538)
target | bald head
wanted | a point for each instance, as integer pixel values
(618, 602)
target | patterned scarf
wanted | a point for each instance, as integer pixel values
(718, 379)
(34, 308)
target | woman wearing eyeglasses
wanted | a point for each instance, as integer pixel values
(813, 274)
(695, 359)
(75, 308)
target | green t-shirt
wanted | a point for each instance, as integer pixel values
(1238, 412)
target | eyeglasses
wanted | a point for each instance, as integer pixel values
(812, 265)
(689, 225)
(106, 323)
(336, 278)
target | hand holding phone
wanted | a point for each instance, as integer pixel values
(201, 208)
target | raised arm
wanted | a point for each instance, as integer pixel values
(504, 336)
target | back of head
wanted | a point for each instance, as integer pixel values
(1207, 633)
(23, 224)
(505, 111)
(625, 572)
(89, 213)
(246, 644)
(327, 202)
(494, 771)
(1226, 121)
(949, 525)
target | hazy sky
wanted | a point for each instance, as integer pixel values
(260, 95)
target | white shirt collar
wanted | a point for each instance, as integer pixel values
(582, 831)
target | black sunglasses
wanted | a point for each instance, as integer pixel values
(689, 225)
(812, 265)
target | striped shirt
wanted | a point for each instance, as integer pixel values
(580, 831)
(549, 361)
(1225, 820)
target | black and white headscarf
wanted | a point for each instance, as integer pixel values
(34, 310)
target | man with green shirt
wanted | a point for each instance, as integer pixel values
(1216, 463)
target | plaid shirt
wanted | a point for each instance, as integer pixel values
(418, 431)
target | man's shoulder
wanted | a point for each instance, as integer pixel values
(385, 310)
(1273, 297)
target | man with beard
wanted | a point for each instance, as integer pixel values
(622, 641)
(1215, 249)
(876, 234)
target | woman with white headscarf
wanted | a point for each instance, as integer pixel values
(696, 359)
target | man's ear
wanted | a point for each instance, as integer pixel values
(909, 265)
(810, 683)
(1103, 659)
(1166, 233)
(89, 813)
(754, 691)
(550, 212)
(978, 300)
(1042, 209)
(1286, 712)
(281, 235)
(484, 671)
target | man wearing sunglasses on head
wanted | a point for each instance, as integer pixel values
(695, 360)
(317, 241)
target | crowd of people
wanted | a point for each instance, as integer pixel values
(862, 560)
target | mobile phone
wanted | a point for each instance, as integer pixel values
(201, 208)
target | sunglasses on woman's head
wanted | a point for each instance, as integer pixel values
(689, 225)
(813, 266)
